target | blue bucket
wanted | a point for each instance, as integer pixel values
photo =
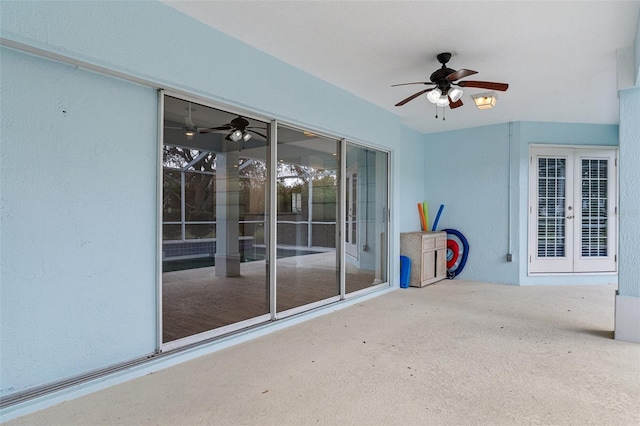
(405, 271)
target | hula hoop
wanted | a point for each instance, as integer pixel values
(457, 252)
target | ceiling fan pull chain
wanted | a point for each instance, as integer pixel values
(436, 111)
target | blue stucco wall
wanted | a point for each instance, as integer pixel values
(78, 236)
(411, 181)
(629, 178)
(468, 171)
(637, 53)
(629, 284)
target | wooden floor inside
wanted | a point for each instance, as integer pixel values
(195, 300)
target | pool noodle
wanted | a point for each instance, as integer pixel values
(425, 208)
(421, 213)
(435, 222)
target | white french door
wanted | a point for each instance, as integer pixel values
(572, 210)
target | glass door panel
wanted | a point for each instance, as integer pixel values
(553, 209)
(214, 212)
(307, 206)
(595, 211)
(366, 233)
(351, 228)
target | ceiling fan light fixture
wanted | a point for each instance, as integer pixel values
(246, 137)
(443, 101)
(455, 94)
(485, 100)
(434, 95)
(189, 134)
(236, 135)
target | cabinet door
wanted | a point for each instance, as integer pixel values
(428, 265)
(441, 263)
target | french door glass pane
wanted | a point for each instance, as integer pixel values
(367, 265)
(214, 212)
(307, 264)
(551, 207)
(594, 207)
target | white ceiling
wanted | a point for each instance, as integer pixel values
(559, 58)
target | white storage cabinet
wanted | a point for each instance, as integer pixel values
(428, 254)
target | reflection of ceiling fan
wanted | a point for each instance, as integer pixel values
(444, 94)
(189, 127)
(239, 128)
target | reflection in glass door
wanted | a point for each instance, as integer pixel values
(367, 206)
(351, 198)
(307, 210)
(214, 211)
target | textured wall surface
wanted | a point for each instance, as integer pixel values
(78, 238)
(468, 172)
(637, 53)
(629, 284)
(411, 182)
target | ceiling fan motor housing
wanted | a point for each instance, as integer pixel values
(439, 78)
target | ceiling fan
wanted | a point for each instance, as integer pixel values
(444, 93)
(189, 126)
(239, 129)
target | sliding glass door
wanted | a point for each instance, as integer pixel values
(214, 212)
(366, 227)
(261, 221)
(307, 268)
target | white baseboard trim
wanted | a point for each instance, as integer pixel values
(627, 318)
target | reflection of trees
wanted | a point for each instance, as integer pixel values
(293, 179)
(253, 178)
(199, 168)
(199, 191)
(325, 192)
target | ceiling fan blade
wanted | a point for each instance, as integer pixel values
(417, 82)
(484, 85)
(257, 133)
(455, 104)
(412, 97)
(457, 75)
(215, 129)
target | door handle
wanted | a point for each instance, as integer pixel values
(569, 217)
